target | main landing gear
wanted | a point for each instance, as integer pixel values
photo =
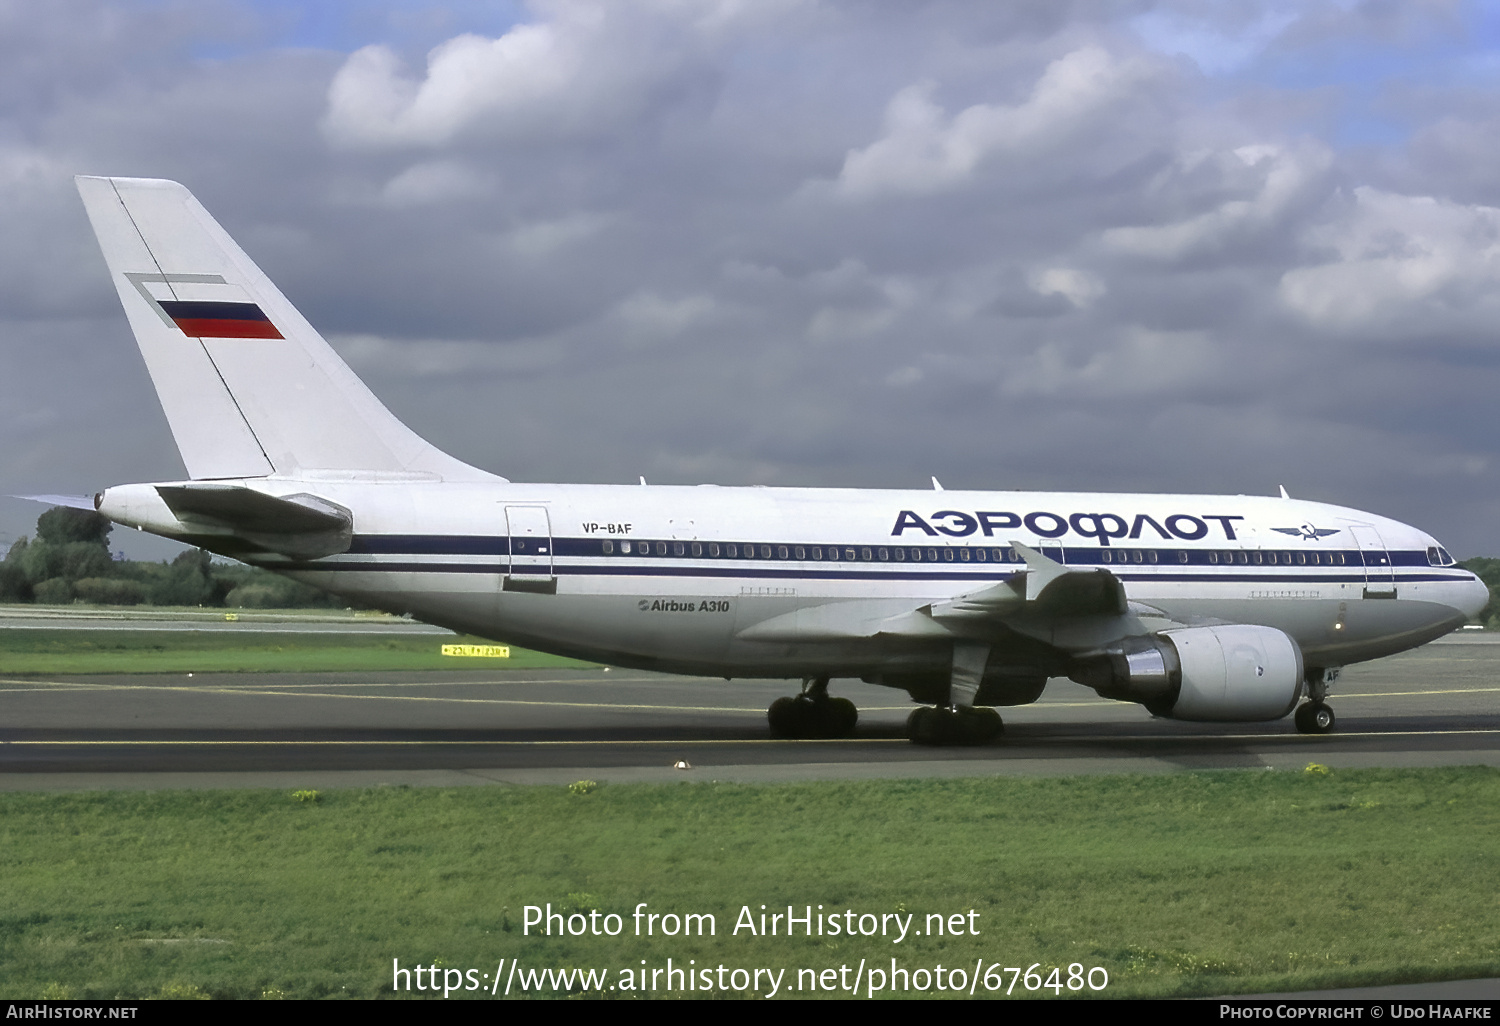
(1314, 716)
(812, 714)
(953, 725)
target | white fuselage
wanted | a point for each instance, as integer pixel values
(788, 582)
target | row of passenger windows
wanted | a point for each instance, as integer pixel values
(962, 554)
(866, 553)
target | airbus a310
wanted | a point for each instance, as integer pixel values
(1209, 608)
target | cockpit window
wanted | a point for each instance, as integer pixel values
(1438, 556)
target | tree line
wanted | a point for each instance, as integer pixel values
(69, 561)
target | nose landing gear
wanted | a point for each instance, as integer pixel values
(1314, 716)
(812, 714)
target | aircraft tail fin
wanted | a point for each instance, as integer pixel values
(249, 387)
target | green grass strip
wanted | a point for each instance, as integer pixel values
(60, 652)
(1177, 885)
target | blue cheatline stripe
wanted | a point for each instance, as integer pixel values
(1121, 559)
(731, 571)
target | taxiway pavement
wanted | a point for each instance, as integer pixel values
(1438, 705)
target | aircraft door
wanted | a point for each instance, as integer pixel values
(1380, 576)
(530, 532)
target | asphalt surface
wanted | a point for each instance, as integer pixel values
(1439, 705)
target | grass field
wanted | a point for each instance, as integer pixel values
(1184, 884)
(28, 651)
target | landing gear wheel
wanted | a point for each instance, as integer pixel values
(981, 726)
(783, 718)
(940, 726)
(1314, 718)
(805, 717)
(925, 726)
(843, 715)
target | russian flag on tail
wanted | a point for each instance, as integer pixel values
(219, 320)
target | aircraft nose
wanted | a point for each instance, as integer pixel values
(1473, 596)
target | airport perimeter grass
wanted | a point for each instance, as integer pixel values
(1182, 884)
(59, 652)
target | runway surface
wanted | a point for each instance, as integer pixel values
(1439, 705)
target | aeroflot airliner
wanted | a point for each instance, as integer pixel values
(1213, 608)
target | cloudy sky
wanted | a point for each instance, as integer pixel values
(1176, 246)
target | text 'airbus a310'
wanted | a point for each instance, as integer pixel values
(1212, 608)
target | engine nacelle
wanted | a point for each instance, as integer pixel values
(1231, 673)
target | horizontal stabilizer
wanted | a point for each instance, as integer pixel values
(302, 526)
(72, 501)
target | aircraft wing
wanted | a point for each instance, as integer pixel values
(1046, 600)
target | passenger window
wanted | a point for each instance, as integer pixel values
(609, 547)
(818, 553)
(849, 555)
(781, 552)
(864, 554)
(697, 550)
(963, 554)
(1258, 558)
(900, 555)
(884, 554)
(730, 550)
(1153, 554)
(948, 555)
(1244, 558)
(1213, 557)
(979, 554)
(765, 552)
(661, 548)
(625, 548)
(800, 552)
(932, 555)
(679, 549)
(1182, 556)
(1271, 558)
(916, 555)
(1301, 559)
(713, 549)
(1106, 556)
(1136, 555)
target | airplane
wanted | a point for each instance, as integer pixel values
(1197, 607)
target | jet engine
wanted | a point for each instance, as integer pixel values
(1229, 673)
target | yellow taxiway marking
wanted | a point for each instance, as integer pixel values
(351, 744)
(441, 699)
(1336, 695)
(1030, 744)
(233, 690)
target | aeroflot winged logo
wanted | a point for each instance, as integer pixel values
(204, 306)
(1307, 531)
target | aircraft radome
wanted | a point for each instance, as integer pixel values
(1212, 608)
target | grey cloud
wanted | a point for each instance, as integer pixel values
(804, 243)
